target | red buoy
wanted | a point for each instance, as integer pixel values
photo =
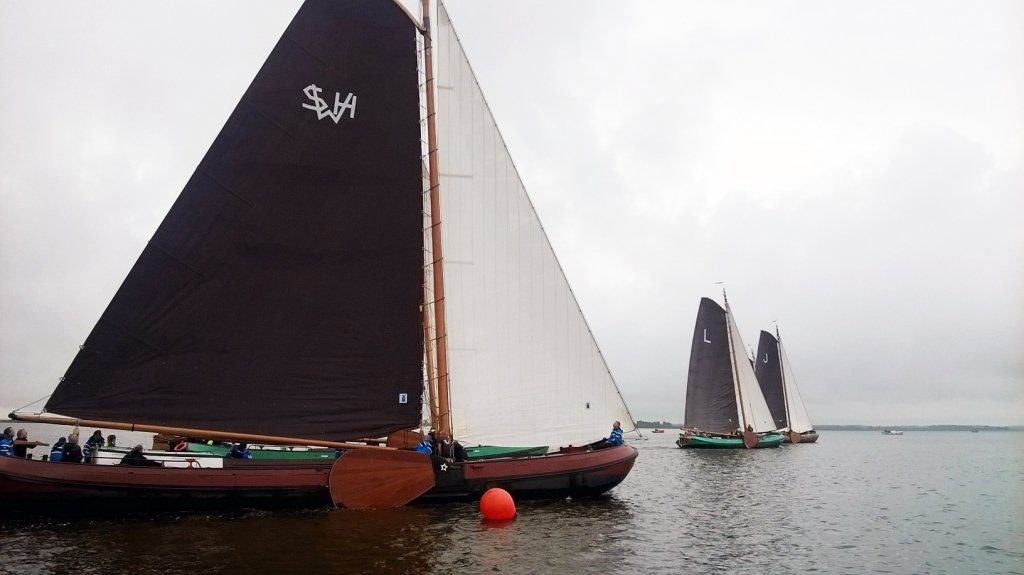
(497, 505)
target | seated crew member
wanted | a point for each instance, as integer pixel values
(92, 445)
(137, 459)
(21, 450)
(57, 452)
(240, 451)
(7, 442)
(615, 437)
(72, 452)
(111, 440)
(429, 444)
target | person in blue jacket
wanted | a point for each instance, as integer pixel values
(57, 453)
(427, 445)
(7, 442)
(615, 437)
(240, 451)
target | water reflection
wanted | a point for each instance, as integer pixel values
(853, 503)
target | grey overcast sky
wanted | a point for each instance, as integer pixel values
(852, 169)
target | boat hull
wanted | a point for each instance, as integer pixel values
(805, 437)
(582, 473)
(697, 441)
(37, 487)
(34, 486)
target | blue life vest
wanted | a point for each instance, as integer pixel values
(6, 446)
(425, 446)
(57, 454)
(615, 438)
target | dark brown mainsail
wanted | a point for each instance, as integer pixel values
(710, 390)
(281, 294)
(768, 369)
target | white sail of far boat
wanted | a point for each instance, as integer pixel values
(799, 421)
(754, 411)
(523, 365)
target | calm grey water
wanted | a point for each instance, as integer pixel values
(856, 502)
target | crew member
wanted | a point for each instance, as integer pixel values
(7, 442)
(92, 445)
(615, 437)
(240, 451)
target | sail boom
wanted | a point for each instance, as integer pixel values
(219, 435)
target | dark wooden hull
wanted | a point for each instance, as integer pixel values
(805, 437)
(41, 487)
(33, 486)
(576, 473)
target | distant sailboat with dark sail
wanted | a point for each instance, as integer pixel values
(724, 405)
(295, 294)
(775, 377)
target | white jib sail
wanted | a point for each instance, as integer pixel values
(524, 367)
(799, 421)
(754, 406)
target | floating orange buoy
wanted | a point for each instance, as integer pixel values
(497, 504)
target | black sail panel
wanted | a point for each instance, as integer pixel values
(710, 392)
(281, 293)
(768, 369)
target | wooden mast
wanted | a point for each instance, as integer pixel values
(443, 421)
(748, 437)
(793, 437)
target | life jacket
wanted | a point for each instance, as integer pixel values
(425, 446)
(57, 451)
(615, 438)
(6, 446)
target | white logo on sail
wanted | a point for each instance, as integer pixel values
(706, 340)
(321, 108)
(766, 358)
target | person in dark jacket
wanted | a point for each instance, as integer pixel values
(92, 445)
(111, 440)
(137, 459)
(615, 437)
(240, 451)
(72, 451)
(57, 452)
(21, 449)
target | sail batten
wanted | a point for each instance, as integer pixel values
(525, 369)
(281, 294)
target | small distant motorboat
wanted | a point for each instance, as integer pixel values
(659, 430)
(891, 432)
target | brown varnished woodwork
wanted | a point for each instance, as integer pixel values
(376, 479)
(405, 439)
